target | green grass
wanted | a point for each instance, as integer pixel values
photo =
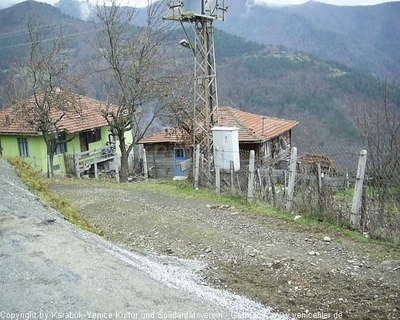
(378, 250)
(39, 186)
(183, 189)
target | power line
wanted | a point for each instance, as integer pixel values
(22, 31)
(50, 39)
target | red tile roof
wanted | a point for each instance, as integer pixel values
(85, 115)
(172, 135)
(252, 127)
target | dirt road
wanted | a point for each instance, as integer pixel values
(301, 270)
(50, 269)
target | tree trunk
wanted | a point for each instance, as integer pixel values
(123, 173)
(50, 159)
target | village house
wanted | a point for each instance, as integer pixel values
(270, 138)
(83, 130)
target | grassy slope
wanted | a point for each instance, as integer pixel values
(39, 186)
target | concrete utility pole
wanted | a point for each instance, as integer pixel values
(358, 189)
(201, 14)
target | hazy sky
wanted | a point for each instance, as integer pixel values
(7, 3)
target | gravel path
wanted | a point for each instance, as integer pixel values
(296, 269)
(51, 269)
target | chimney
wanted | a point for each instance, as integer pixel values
(263, 125)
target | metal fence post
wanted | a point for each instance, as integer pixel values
(292, 177)
(358, 189)
(250, 186)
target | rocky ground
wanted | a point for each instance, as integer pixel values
(294, 268)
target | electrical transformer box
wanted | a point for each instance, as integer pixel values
(226, 147)
(193, 6)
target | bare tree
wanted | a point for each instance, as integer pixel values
(41, 89)
(134, 67)
(379, 128)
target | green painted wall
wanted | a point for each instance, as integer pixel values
(37, 149)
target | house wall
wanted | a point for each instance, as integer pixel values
(37, 150)
(245, 148)
(160, 160)
(38, 153)
(277, 152)
(75, 145)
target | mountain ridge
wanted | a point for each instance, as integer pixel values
(268, 80)
(361, 36)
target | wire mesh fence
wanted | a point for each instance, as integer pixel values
(324, 188)
(380, 209)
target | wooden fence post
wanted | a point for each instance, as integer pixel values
(116, 158)
(232, 172)
(358, 189)
(292, 177)
(260, 180)
(77, 169)
(145, 170)
(197, 168)
(217, 179)
(272, 183)
(217, 171)
(250, 186)
(319, 177)
(96, 173)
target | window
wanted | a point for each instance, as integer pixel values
(179, 153)
(94, 135)
(61, 147)
(23, 147)
(277, 147)
(267, 149)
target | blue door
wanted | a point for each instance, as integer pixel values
(180, 156)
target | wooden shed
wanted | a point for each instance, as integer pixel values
(270, 138)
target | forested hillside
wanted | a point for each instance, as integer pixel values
(365, 37)
(323, 96)
(264, 79)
